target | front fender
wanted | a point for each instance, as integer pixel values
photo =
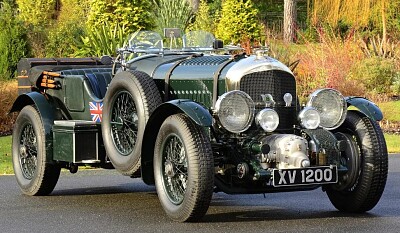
(365, 106)
(47, 113)
(195, 111)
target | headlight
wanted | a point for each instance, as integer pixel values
(268, 119)
(235, 111)
(309, 118)
(331, 106)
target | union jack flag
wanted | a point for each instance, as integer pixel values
(96, 111)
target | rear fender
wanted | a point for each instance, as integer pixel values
(365, 106)
(47, 113)
(195, 111)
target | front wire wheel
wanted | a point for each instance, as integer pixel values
(183, 168)
(34, 173)
(174, 168)
(366, 159)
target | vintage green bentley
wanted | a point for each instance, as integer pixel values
(192, 121)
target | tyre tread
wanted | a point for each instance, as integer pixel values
(373, 176)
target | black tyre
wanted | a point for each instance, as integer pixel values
(35, 175)
(130, 99)
(366, 158)
(183, 169)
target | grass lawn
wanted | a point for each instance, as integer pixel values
(5, 156)
(393, 143)
(391, 110)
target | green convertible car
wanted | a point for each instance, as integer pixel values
(192, 121)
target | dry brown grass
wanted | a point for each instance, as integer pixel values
(8, 93)
(327, 64)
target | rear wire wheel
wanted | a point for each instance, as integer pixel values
(35, 175)
(130, 100)
(366, 159)
(183, 169)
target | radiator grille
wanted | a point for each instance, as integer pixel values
(276, 83)
(205, 61)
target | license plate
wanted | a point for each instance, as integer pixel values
(305, 176)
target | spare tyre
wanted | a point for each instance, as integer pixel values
(130, 99)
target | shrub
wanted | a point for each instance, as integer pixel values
(67, 28)
(327, 64)
(38, 16)
(203, 19)
(172, 14)
(238, 22)
(8, 93)
(130, 14)
(61, 39)
(104, 40)
(377, 74)
(37, 12)
(13, 44)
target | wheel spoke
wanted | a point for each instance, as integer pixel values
(124, 123)
(175, 181)
(28, 152)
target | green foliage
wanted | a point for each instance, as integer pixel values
(172, 14)
(238, 22)
(68, 27)
(38, 16)
(215, 6)
(36, 12)
(13, 45)
(393, 19)
(377, 74)
(203, 19)
(61, 39)
(104, 40)
(130, 14)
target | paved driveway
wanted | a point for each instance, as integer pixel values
(104, 201)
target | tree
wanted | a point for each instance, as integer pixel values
(194, 4)
(203, 19)
(372, 14)
(238, 22)
(36, 12)
(68, 26)
(13, 45)
(38, 16)
(290, 20)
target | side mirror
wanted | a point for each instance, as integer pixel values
(218, 44)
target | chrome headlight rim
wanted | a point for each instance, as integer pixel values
(250, 105)
(259, 117)
(303, 120)
(343, 107)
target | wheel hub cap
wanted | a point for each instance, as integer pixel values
(169, 169)
(23, 153)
